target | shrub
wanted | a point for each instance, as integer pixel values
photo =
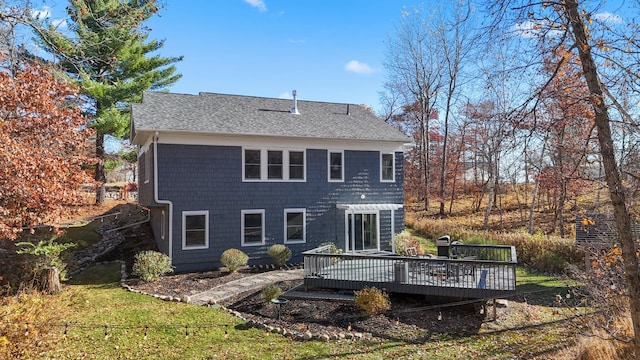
(270, 292)
(29, 323)
(280, 254)
(372, 301)
(151, 265)
(333, 249)
(404, 241)
(48, 253)
(233, 259)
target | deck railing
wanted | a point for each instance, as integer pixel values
(476, 271)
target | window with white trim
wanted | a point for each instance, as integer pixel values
(336, 165)
(295, 226)
(195, 230)
(274, 165)
(252, 227)
(279, 165)
(252, 167)
(387, 168)
(296, 165)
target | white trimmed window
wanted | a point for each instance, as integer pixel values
(273, 165)
(387, 167)
(252, 227)
(336, 165)
(296, 165)
(195, 230)
(252, 169)
(295, 223)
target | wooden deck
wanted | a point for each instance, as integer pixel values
(477, 272)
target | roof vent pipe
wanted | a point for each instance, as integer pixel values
(348, 112)
(295, 103)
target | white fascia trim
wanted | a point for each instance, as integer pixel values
(254, 141)
(159, 201)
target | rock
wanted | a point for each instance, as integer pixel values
(502, 303)
(307, 336)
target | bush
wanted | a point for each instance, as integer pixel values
(48, 253)
(151, 265)
(280, 254)
(233, 259)
(35, 312)
(404, 241)
(270, 292)
(372, 301)
(333, 249)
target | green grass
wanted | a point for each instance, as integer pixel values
(94, 299)
(84, 236)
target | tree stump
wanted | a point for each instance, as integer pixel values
(51, 281)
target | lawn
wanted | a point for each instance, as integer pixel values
(108, 322)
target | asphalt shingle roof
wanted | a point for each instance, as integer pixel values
(209, 113)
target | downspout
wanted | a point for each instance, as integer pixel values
(353, 231)
(155, 195)
(393, 231)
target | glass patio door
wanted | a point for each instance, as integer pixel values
(363, 235)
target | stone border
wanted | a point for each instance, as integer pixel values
(295, 335)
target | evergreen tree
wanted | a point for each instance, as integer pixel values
(107, 53)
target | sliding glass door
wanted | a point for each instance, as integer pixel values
(362, 233)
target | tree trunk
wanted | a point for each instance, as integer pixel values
(51, 280)
(100, 176)
(612, 174)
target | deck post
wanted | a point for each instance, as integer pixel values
(494, 309)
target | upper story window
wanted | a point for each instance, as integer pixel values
(281, 165)
(336, 166)
(296, 165)
(195, 230)
(274, 165)
(252, 168)
(387, 169)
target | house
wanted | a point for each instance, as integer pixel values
(226, 171)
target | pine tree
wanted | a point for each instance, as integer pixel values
(107, 53)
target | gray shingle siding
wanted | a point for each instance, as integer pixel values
(196, 177)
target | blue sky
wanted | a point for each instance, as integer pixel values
(328, 50)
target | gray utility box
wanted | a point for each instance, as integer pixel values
(442, 243)
(401, 272)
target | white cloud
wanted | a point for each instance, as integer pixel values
(41, 14)
(285, 95)
(530, 29)
(358, 67)
(608, 17)
(258, 4)
(59, 23)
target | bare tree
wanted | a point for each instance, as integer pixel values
(414, 66)
(570, 23)
(456, 39)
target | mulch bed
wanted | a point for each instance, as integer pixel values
(408, 320)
